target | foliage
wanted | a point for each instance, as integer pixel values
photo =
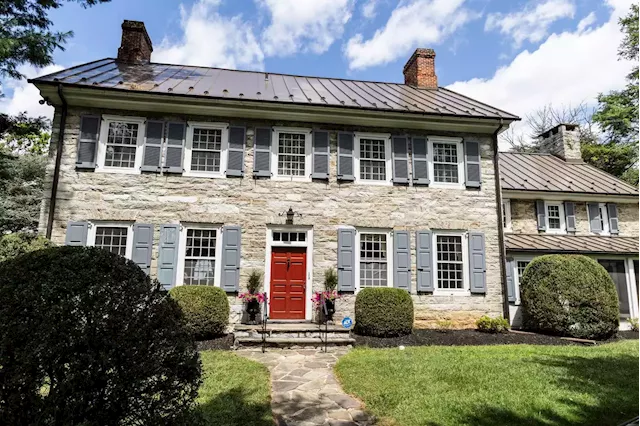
(330, 279)
(569, 295)
(205, 308)
(248, 297)
(633, 322)
(19, 243)
(254, 281)
(319, 296)
(25, 135)
(613, 158)
(383, 312)
(492, 325)
(444, 325)
(87, 336)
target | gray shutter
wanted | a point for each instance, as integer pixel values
(472, 164)
(175, 147)
(511, 284)
(477, 268)
(231, 246)
(142, 246)
(168, 255)
(345, 156)
(262, 152)
(541, 214)
(346, 259)
(400, 154)
(235, 155)
(570, 215)
(419, 151)
(595, 222)
(612, 211)
(88, 142)
(424, 261)
(76, 234)
(320, 151)
(402, 260)
(151, 160)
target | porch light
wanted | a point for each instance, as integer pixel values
(290, 214)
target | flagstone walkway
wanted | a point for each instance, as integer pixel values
(304, 391)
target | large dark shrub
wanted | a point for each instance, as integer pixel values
(383, 312)
(205, 308)
(569, 295)
(86, 338)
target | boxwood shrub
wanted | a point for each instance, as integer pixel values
(383, 312)
(569, 295)
(205, 308)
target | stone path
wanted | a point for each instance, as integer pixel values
(305, 391)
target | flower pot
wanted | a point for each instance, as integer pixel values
(253, 309)
(326, 312)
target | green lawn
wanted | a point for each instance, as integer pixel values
(235, 391)
(496, 385)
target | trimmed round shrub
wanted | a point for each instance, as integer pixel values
(384, 312)
(17, 243)
(569, 295)
(87, 338)
(205, 308)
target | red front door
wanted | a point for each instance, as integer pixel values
(288, 279)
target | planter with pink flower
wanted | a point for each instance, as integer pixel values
(325, 301)
(253, 299)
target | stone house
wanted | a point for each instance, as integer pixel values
(556, 203)
(201, 175)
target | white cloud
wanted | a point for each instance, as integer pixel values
(304, 25)
(566, 69)
(369, 9)
(211, 39)
(415, 23)
(586, 21)
(532, 23)
(25, 96)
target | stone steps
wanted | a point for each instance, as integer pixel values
(291, 335)
(292, 343)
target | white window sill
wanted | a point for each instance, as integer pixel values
(127, 171)
(556, 231)
(291, 178)
(442, 185)
(441, 292)
(374, 182)
(216, 175)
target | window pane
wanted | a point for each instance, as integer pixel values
(553, 213)
(206, 150)
(112, 238)
(449, 262)
(372, 159)
(373, 260)
(121, 144)
(445, 162)
(200, 255)
(291, 154)
(521, 264)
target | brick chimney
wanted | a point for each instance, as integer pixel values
(136, 45)
(563, 141)
(420, 69)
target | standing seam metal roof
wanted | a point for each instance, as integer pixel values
(570, 243)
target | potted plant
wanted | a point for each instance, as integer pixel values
(325, 301)
(252, 298)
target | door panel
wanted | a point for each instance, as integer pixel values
(288, 282)
(616, 270)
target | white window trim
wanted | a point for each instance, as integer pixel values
(466, 290)
(91, 234)
(356, 268)
(506, 208)
(563, 225)
(461, 173)
(275, 138)
(516, 279)
(102, 144)
(184, 226)
(604, 216)
(387, 154)
(188, 150)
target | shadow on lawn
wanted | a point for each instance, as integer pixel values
(233, 408)
(611, 381)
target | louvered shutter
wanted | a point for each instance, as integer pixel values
(76, 234)
(231, 255)
(88, 142)
(541, 214)
(262, 152)
(346, 259)
(235, 155)
(142, 246)
(511, 284)
(345, 156)
(472, 164)
(175, 138)
(419, 151)
(402, 260)
(424, 262)
(595, 221)
(168, 255)
(612, 211)
(570, 215)
(151, 160)
(477, 267)
(320, 150)
(400, 153)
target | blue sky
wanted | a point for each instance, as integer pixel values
(513, 54)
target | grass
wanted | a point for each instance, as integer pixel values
(235, 391)
(496, 385)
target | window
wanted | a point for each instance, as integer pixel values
(506, 214)
(446, 161)
(617, 270)
(604, 218)
(121, 141)
(206, 149)
(449, 262)
(291, 153)
(555, 217)
(373, 158)
(374, 259)
(199, 263)
(289, 237)
(115, 237)
(520, 266)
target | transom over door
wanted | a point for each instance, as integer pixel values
(288, 283)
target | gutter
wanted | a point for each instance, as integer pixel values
(56, 170)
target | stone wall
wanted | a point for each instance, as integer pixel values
(253, 204)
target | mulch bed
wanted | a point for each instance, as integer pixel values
(224, 343)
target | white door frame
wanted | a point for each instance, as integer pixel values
(308, 244)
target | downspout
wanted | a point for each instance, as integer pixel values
(56, 170)
(501, 247)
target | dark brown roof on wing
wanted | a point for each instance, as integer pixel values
(269, 87)
(570, 244)
(545, 172)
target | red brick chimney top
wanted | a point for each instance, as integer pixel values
(136, 46)
(420, 69)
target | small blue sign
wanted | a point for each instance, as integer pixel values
(347, 322)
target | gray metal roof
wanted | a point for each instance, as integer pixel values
(546, 172)
(570, 244)
(263, 86)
